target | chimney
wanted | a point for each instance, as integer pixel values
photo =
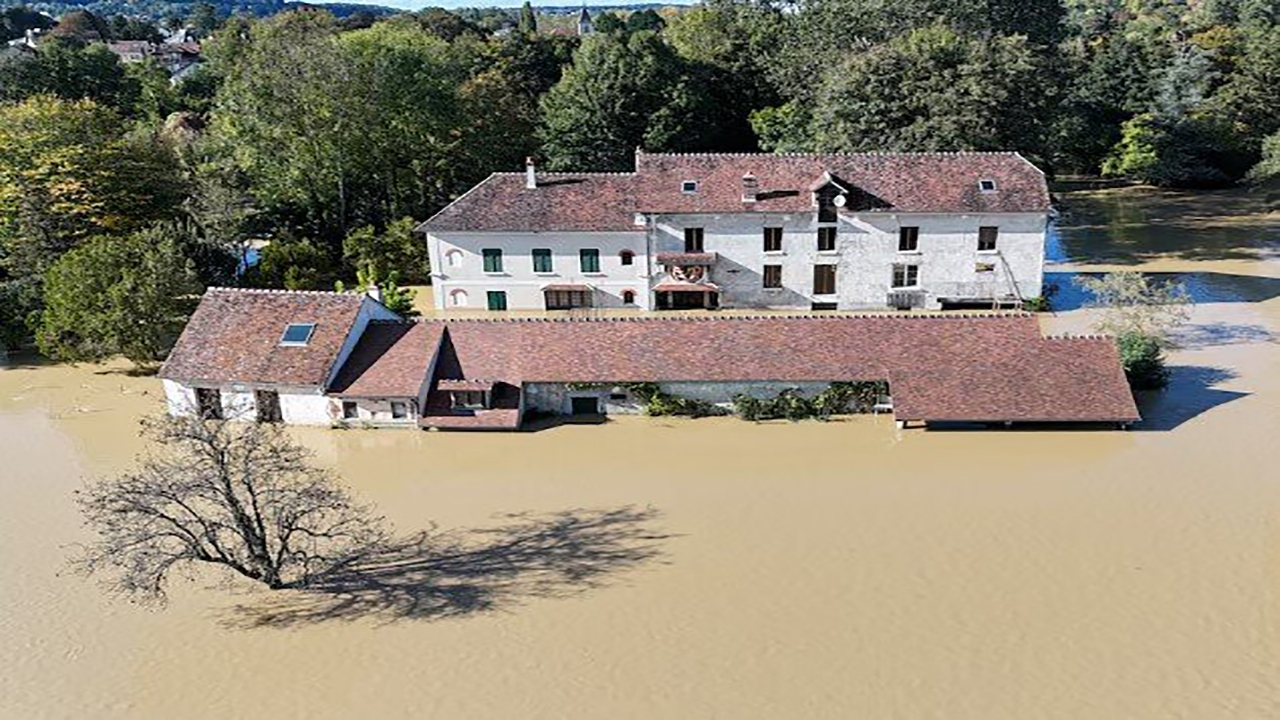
(374, 292)
(530, 176)
(750, 188)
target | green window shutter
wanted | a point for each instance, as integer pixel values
(542, 260)
(497, 300)
(492, 260)
(590, 260)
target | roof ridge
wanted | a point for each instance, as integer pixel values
(865, 315)
(544, 173)
(873, 153)
(277, 291)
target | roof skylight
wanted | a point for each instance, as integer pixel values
(297, 334)
(987, 185)
(689, 186)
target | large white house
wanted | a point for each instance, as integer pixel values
(684, 231)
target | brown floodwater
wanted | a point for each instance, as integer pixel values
(714, 568)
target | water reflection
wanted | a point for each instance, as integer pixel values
(1203, 287)
(1127, 226)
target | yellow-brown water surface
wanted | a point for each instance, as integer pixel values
(807, 570)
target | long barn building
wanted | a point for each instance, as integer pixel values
(324, 358)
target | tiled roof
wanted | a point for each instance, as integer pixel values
(234, 336)
(994, 367)
(390, 360)
(877, 182)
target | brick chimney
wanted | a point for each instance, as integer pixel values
(750, 188)
(530, 176)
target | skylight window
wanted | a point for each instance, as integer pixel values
(689, 187)
(987, 186)
(298, 334)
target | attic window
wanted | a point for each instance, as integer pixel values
(987, 186)
(689, 187)
(299, 334)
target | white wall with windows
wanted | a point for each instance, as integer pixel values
(464, 277)
(779, 267)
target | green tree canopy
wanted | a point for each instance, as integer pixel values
(112, 296)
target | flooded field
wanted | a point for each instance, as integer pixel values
(713, 568)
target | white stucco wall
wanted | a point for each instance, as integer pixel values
(298, 406)
(457, 265)
(866, 251)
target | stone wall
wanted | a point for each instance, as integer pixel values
(556, 398)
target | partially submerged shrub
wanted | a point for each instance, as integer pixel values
(837, 399)
(1143, 359)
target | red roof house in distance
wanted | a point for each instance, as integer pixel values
(325, 358)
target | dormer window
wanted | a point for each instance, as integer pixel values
(689, 187)
(297, 334)
(987, 186)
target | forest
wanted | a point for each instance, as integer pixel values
(323, 140)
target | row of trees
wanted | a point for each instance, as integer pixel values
(330, 138)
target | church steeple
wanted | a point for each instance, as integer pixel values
(584, 21)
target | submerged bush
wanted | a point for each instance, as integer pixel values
(1143, 359)
(838, 399)
(660, 404)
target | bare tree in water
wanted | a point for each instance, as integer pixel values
(239, 495)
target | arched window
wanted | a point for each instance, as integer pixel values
(629, 297)
(458, 298)
(454, 257)
(627, 257)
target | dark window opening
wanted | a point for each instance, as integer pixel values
(906, 276)
(693, 240)
(824, 279)
(497, 300)
(209, 403)
(627, 257)
(823, 306)
(469, 399)
(826, 239)
(629, 297)
(567, 299)
(689, 186)
(350, 411)
(492, 260)
(268, 405)
(584, 405)
(987, 238)
(826, 203)
(908, 239)
(773, 276)
(589, 260)
(542, 260)
(399, 410)
(773, 239)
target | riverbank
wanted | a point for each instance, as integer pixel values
(814, 570)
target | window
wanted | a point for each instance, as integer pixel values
(629, 297)
(689, 187)
(458, 297)
(268, 405)
(454, 257)
(693, 240)
(772, 276)
(473, 399)
(905, 276)
(350, 411)
(987, 186)
(987, 238)
(627, 257)
(542, 260)
(826, 239)
(399, 410)
(492, 260)
(209, 403)
(567, 299)
(908, 239)
(824, 279)
(497, 300)
(589, 260)
(773, 239)
(298, 334)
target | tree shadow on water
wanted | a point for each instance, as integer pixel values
(457, 574)
(1190, 393)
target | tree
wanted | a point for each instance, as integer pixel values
(68, 173)
(70, 70)
(1194, 151)
(1268, 168)
(934, 89)
(82, 25)
(223, 211)
(620, 93)
(528, 24)
(396, 250)
(127, 296)
(1133, 304)
(241, 496)
(16, 21)
(1142, 358)
(389, 292)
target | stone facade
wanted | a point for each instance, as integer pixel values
(950, 266)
